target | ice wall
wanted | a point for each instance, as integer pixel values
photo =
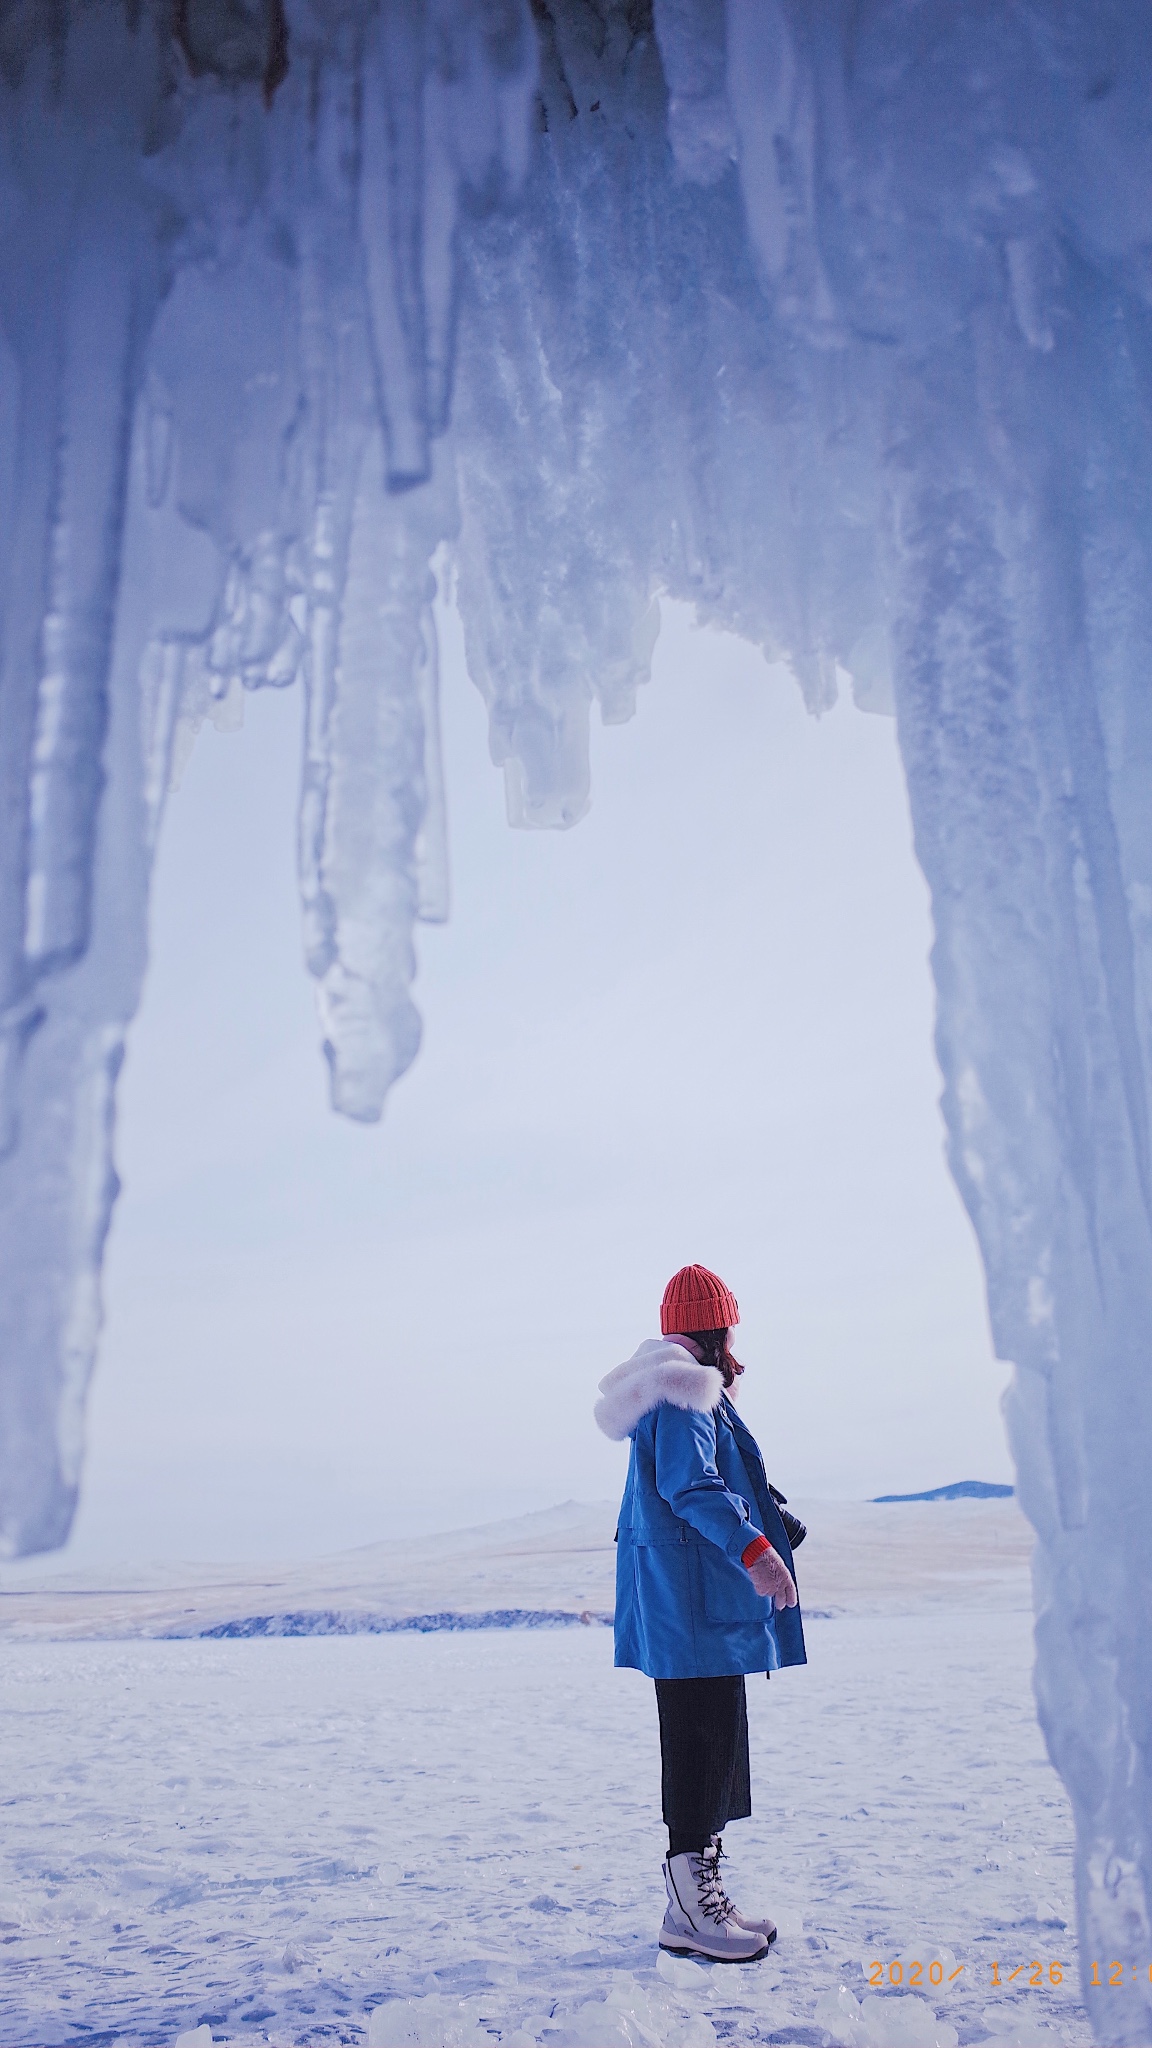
(833, 319)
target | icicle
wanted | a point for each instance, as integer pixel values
(433, 888)
(447, 92)
(361, 852)
(693, 51)
(367, 665)
(564, 618)
(391, 215)
(438, 266)
(772, 95)
(162, 685)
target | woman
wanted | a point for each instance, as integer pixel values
(704, 1592)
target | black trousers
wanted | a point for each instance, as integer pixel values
(703, 1758)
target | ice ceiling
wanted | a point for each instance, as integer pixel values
(832, 317)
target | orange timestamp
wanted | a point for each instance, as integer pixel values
(912, 1973)
(1034, 1974)
(1037, 1974)
(1116, 1973)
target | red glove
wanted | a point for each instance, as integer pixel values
(769, 1573)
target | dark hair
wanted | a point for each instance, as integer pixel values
(716, 1350)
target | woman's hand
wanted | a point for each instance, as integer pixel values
(771, 1577)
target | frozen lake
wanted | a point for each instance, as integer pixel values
(271, 1837)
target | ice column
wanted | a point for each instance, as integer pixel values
(81, 274)
(862, 364)
(228, 302)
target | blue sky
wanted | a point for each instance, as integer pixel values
(696, 1027)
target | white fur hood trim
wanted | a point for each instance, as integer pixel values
(658, 1371)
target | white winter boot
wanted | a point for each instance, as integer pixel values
(700, 1921)
(765, 1927)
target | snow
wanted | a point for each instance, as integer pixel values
(278, 1839)
(433, 1838)
(832, 323)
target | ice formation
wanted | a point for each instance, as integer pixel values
(835, 320)
(629, 2016)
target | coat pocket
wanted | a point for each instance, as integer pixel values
(665, 1604)
(726, 1591)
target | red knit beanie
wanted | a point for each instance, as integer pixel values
(696, 1299)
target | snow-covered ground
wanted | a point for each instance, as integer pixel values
(271, 1839)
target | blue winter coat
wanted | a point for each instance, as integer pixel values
(695, 1496)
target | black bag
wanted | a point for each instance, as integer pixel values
(794, 1527)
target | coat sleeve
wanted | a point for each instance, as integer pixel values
(687, 1478)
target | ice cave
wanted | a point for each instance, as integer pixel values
(833, 320)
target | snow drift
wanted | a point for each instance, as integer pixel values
(833, 320)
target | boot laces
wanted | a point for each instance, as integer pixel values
(713, 1900)
(729, 1904)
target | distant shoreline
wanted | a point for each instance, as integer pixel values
(960, 1489)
